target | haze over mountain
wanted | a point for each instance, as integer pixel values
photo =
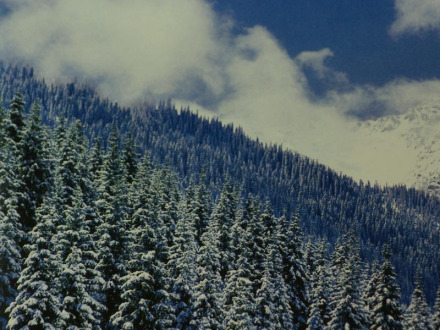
(289, 87)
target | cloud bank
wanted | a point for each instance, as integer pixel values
(415, 16)
(135, 50)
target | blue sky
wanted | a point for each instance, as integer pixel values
(356, 31)
(302, 73)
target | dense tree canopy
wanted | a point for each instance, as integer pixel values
(94, 235)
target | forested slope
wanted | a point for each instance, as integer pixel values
(329, 203)
(94, 238)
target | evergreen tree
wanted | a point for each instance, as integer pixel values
(319, 310)
(10, 258)
(33, 167)
(294, 270)
(146, 302)
(16, 121)
(80, 309)
(348, 310)
(385, 312)
(182, 266)
(417, 315)
(3, 135)
(111, 232)
(436, 315)
(256, 242)
(371, 280)
(74, 240)
(37, 304)
(239, 300)
(224, 216)
(165, 201)
(201, 206)
(207, 303)
(129, 158)
(96, 159)
(273, 309)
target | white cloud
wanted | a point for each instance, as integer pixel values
(130, 47)
(135, 49)
(394, 97)
(414, 16)
(315, 60)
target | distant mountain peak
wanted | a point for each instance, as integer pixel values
(419, 127)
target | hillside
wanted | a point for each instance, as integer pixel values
(419, 130)
(329, 203)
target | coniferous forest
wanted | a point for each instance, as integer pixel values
(153, 218)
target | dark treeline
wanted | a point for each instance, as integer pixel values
(94, 237)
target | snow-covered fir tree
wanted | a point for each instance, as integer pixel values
(10, 258)
(37, 304)
(15, 121)
(319, 310)
(224, 216)
(385, 310)
(348, 310)
(435, 321)
(111, 232)
(208, 310)
(417, 315)
(80, 309)
(182, 265)
(294, 270)
(146, 302)
(238, 296)
(273, 310)
(201, 206)
(34, 166)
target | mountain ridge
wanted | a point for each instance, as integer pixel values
(419, 127)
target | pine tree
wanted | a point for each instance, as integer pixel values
(74, 240)
(182, 266)
(294, 270)
(224, 216)
(371, 280)
(436, 315)
(37, 304)
(80, 309)
(256, 243)
(319, 311)
(238, 294)
(96, 159)
(129, 158)
(15, 122)
(146, 302)
(348, 310)
(417, 315)
(273, 309)
(10, 258)
(111, 232)
(385, 312)
(201, 206)
(165, 197)
(11, 191)
(34, 167)
(2, 126)
(207, 303)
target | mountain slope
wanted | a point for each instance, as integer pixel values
(329, 203)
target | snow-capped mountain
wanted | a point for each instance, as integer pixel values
(419, 131)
